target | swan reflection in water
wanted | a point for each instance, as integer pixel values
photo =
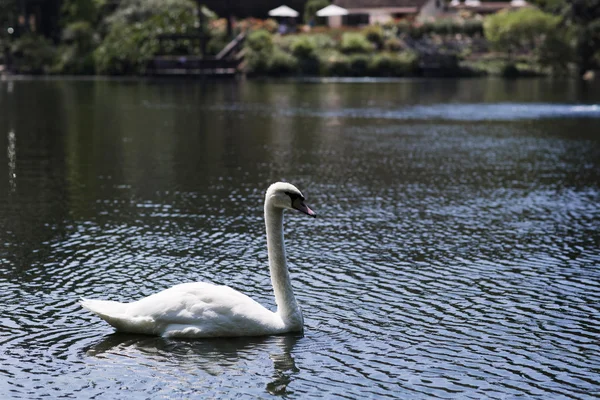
(212, 356)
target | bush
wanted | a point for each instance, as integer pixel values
(260, 41)
(374, 34)
(282, 63)
(472, 27)
(334, 63)
(355, 43)
(76, 53)
(393, 44)
(555, 52)
(359, 64)
(33, 54)
(524, 29)
(303, 48)
(259, 51)
(79, 11)
(389, 64)
(322, 41)
(216, 43)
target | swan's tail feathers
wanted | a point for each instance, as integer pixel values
(105, 309)
(117, 315)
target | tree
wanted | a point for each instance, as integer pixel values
(311, 8)
(522, 30)
(585, 17)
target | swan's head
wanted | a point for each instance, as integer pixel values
(287, 196)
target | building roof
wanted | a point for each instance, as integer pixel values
(379, 4)
(489, 6)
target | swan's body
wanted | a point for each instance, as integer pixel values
(201, 309)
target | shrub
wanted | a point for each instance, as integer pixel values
(76, 53)
(33, 54)
(260, 40)
(374, 34)
(556, 52)
(216, 43)
(79, 10)
(389, 64)
(282, 63)
(355, 43)
(359, 64)
(259, 51)
(393, 44)
(512, 31)
(322, 41)
(334, 63)
(472, 27)
(303, 48)
(404, 27)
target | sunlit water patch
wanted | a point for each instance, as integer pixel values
(453, 112)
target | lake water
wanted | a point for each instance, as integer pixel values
(456, 253)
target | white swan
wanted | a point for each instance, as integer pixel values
(197, 310)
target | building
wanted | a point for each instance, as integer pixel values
(365, 12)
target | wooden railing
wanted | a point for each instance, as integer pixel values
(226, 63)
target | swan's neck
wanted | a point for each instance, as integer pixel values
(287, 308)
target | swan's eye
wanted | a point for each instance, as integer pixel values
(294, 196)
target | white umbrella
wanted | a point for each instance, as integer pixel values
(331, 11)
(283, 11)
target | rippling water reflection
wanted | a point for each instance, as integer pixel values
(456, 251)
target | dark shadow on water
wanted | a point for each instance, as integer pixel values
(206, 353)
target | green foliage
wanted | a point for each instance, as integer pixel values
(259, 51)
(260, 41)
(335, 63)
(322, 41)
(303, 48)
(585, 15)
(282, 63)
(469, 27)
(512, 31)
(355, 43)
(132, 38)
(216, 43)
(139, 11)
(551, 6)
(359, 64)
(33, 54)
(374, 34)
(556, 52)
(310, 10)
(392, 44)
(79, 10)
(472, 27)
(76, 53)
(394, 64)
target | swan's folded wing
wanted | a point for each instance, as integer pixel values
(202, 309)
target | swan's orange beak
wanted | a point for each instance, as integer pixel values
(299, 205)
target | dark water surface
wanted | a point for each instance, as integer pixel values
(456, 253)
